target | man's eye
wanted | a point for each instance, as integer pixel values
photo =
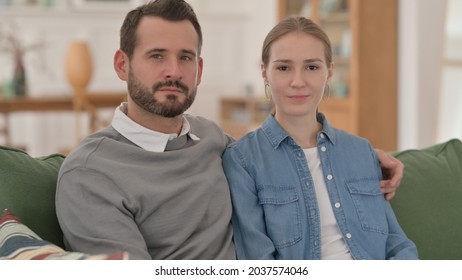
(156, 56)
(186, 58)
(283, 68)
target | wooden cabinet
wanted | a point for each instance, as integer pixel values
(363, 92)
(240, 115)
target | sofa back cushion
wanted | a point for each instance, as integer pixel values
(27, 188)
(428, 204)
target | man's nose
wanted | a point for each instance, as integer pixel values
(172, 70)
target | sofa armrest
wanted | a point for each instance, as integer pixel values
(428, 202)
(27, 188)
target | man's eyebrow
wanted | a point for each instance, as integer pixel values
(160, 50)
(155, 50)
(191, 52)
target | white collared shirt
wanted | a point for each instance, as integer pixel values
(147, 139)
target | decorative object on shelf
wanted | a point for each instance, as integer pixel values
(79, 71)
(11, 43)
(327, 7)
(19, 77)
(104, 5)
(79, 66)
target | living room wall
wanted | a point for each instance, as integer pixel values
(233, 34)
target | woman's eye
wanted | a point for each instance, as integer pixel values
(312, 67)
(283, 68)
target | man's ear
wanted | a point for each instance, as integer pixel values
(200, 66)
(121, 64)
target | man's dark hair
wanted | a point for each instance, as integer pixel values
(172, 10)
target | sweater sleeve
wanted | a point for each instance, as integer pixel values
(94, 216)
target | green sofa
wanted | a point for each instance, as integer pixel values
(27, 189)
(426, 204)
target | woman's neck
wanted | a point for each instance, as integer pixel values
(303, 129)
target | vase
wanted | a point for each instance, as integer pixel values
(79, 68)
(19, 78)
(79, 71)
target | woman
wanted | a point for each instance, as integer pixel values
(302, 189)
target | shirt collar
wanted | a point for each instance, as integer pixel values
(276, 134)
(145, 138)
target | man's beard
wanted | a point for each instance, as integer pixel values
(144, 98)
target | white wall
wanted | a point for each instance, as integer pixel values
(450, 115)
(233, 34)
(44, 133)
(420, 48)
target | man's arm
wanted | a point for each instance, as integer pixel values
(393, 172)
(94, 215)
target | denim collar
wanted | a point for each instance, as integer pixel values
(276, 134)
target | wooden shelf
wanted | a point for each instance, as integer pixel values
(240, 115)
(90, 104)
(363, 34)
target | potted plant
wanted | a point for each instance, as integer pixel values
(11, 43)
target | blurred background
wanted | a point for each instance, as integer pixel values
(398, 79)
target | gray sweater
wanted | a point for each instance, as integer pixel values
(112, 196)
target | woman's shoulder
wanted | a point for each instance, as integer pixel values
(248, 141)
(346, 138)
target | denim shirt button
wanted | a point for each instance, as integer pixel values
(322, 135)
(329, 177)
(337, 205)
(323, 148)
(348, 235)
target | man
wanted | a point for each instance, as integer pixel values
(152, 183)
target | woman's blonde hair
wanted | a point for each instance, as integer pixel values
(296, 24)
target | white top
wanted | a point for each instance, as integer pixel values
(333, 247)
(143, 137)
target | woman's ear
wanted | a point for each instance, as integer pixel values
(263, 73)
(330, 72)
(121, 64)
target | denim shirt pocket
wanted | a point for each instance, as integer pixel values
(369, 201)
(282, 214)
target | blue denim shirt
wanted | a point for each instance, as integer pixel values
(275, 212)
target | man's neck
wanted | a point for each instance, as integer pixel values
(155, 122)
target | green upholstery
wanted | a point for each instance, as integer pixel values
(27, 188)
(428, 203)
